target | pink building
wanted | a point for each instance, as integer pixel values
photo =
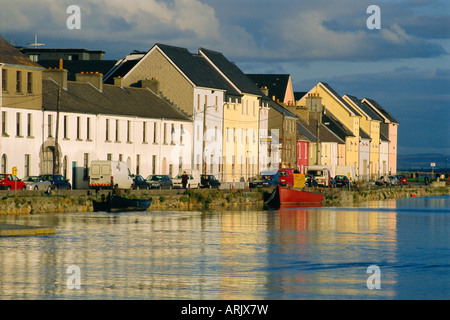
(302, 155)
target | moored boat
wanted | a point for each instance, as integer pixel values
(283, 196)
(117, 203)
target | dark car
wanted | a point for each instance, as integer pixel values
(310, 181)
(139, 182)
(209, 181)
(57, 181)
(159, 181)
(341, 181)
(265, 179)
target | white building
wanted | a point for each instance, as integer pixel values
(103, 122)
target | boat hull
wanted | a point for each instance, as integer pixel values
(122, 204)
(283, 197)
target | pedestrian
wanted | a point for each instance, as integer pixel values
(116, 190)
(184, 180)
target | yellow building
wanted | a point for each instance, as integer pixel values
(240, 120)
(370, 123)
(333, 102)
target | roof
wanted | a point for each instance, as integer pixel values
(299, 95)
(380, 109)
(337, 127)
(113, 100)
(196, 68)
(10, 55)
(308, 130)
(276, 83)
(352, 111)
(231, 72)
(74, 67)
(364, 108)
(121, 68)
(364, 135)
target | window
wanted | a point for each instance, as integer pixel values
(109, 156)
(34, 57)
(86, 166)
(88, 128)
(155, 132)
(65, 127)
(29, 125)
(50, 125)
(78, 128)
(4, 122)
(144, 132)
(27, 165)
(165, 133)
(4, 79)
(198, 102)
(117, 131)
(138, 163)
(19, 81)
(154, 164)
(4, 164)
(128, 131)
(172, 133)
(181, 134)
(30, 83)
(107, 130)
(18, 124)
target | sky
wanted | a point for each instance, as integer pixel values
(404, 65)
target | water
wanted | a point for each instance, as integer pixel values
(306, 253)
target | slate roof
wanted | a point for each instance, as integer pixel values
(364, 108)
(299, 95)
(337, 127)
(375, 105)
(308, 130)
(74, 67)
(232, 72)
(84, 98)
(197, 69)
(10, 55)
(119, 70)
(276, 83)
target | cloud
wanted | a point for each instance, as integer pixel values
(264, 30)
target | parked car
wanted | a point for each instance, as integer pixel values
(286, 177)
(11, 182)
(310, 181)
(209, 181)
(393, 181)
(341, 181)
(159, 181)
(265, 179)
(380, 181)
(193, 179)
(402, 179)
(57, 181)
(35, 183)
(139, 182)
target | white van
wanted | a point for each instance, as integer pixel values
(104, 174)
(321, 174)
(193, 179)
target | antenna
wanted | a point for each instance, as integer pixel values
(35, 44)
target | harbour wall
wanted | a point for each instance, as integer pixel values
(34, 202)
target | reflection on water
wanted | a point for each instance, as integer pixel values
(304, 253)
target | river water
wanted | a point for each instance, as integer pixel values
(393, 249)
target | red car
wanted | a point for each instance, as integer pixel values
(11, 182)
(286, 177)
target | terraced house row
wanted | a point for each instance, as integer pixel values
(168, 109)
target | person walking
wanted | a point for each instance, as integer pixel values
(184, 180)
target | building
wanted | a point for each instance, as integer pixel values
(106, 122)
(278, 86)
(389, 129)
(52, 125)
(21, 110)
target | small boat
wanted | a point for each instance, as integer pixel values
(283, 196)
(116, 203)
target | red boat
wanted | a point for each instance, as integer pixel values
(287, 196)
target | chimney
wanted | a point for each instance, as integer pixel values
(94, 78)
(118, 81)
(265, 90)
(58, 75)
(152, 84)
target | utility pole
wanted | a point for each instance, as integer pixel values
(56, 153)
(204, 137)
